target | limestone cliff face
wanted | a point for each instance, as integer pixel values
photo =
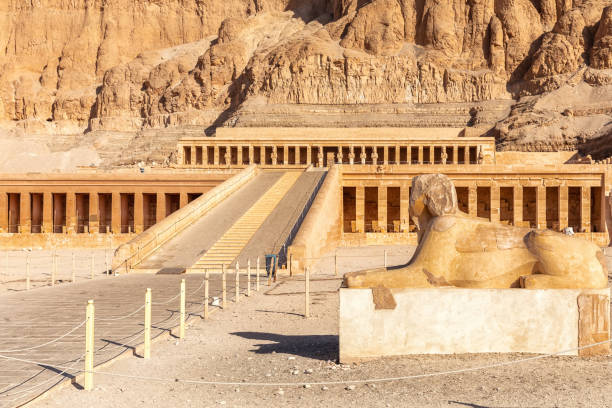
(111, 64)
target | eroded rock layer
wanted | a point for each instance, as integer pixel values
(112, 65)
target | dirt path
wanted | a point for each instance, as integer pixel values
(266, 339)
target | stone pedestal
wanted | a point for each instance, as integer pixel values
(381, 322)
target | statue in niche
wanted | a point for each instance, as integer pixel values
(455, 249)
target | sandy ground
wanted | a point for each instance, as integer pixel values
(13, 267)
(266, 339)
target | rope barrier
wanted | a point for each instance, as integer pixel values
(47, 343)
(114, 319)
(339, 382)
(44, 382)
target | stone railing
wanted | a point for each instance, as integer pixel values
(321, 229)
(133, 252)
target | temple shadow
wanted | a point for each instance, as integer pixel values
(316, 346)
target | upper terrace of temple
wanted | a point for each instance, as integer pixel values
(239, 147)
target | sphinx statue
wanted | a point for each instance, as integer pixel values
(455, 249)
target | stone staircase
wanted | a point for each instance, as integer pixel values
(233, 241)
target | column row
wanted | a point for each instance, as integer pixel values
(385, 209)
(70, 212)
(323, 156)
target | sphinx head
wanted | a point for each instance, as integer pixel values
(431, 195)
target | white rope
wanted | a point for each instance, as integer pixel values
(42, 383)
(199, 287)
(340, 382)
(114, 319)
(47, 343)
(166, 302)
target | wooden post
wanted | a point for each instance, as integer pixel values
(224, 286)
(385, 258)
(237, 270)
(147, 325)
(257, 277)
(92, 265)
(307, 293)
(290, 268)
(206, 301)
(182, 318)
(106, 261)
(73, 267)
(53, 268)
(28, 271)
(336, 263)
(89, 346)
(249, 277)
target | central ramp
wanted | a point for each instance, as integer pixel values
(234, 240)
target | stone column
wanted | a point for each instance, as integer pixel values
(274, 156)
(161, 207)
(518, 204)
(47, 212)
(138, 212)
(216, 155)
(563, 202)
(495, 210)
(239, 155)
(541, 206)
(116, 213)
(382, 208)
(182, 199)
(352, 155)
(3, 212)
(193, 155)
(71, 216)
(420, 158)
(308, 155)
(285, 155)
(472, 209)
(404, 205)
(94, 219)
(25, 219)
(360, 208)
(385, 158)
(396, 159)
(228, 156)
(374, 155)
(251, 154)
(297, 155)
(320, 158)
(204, 155)
(586, 208)
(431, 154)
(466, 155)
(455, 154)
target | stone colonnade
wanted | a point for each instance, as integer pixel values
(383, 207)
(272, 154)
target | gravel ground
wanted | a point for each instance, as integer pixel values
(266, 339)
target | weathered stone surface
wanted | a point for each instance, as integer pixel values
(116, 66)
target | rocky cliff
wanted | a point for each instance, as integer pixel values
(117, 65)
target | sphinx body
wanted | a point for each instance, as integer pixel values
(456, 249)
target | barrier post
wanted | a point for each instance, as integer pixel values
(28, 271)
(206, 300)
(257, 277)
(237, 270)
(224, 286)
(307, 293)
(385, 258)
(92, 265)
(89, 346)
(336, 263)
(106, 262)
(182, 322)
(249, 278)
(290, 268)
(73, 267)
(147, 325)
(53, 268)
